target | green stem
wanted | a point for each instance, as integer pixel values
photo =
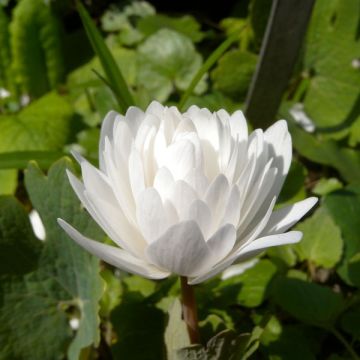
(211, 60)
(348, 347)
(190, 310)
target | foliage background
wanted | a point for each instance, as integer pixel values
(56, 301)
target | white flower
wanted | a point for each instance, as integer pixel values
(188, 193)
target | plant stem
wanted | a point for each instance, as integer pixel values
(348, 347)
(189, 310)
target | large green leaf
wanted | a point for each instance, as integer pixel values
(252, 284)
(308, 302)
(36, 308)
(327, 152)
(36, 47)
(344, 206)
(332, 99)
(43, 125)
(322, 243)
(233, 73)
(167, 59)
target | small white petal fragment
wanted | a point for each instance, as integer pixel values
(37, 225)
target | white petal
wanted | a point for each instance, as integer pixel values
(123, 143)
(284, 218)
(107, 129)
(181, 250)
(134, 116)
(201, 214)
(216, 196)
(248, 252)
(279, 146)
(238, 125)
(110, 218)
(197, 180)
(222, 242)
(232, 207)
(163, 182)
(114, 256)
(155, 108)
(150, 214)
(180, 158)
(258, 245)
(136, 173)
(182, 196)
(205, 124)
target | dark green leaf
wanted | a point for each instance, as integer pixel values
(36, 309)
(19, 247)
(308, 302)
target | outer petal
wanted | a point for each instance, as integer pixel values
(107, 129)
(181, 250)
(114, 256)
(284, 218)
(279, 145)
(222, 242)
(110, 218)
(251, 250)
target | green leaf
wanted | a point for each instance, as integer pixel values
(296, 342)
(140, 329)
(176, 333)
(253, 283)
(259, 11)
(84, 76)
(167, 59)
(112, 71)
(332, 99)
(327, 152)
(322, 243)
(293, 189)
(5, 54)
(20, 159)
(36, 46)
(19, 247)
(350, 321)
(43, 125)
(233, 73)
(308, 302)
(66, 283)
(210, 61)
(8, 181)
(186, 25)
(325, 186)
(344, 206)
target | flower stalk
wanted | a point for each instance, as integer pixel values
(189, 310)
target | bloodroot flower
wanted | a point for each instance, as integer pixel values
(188, 194)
